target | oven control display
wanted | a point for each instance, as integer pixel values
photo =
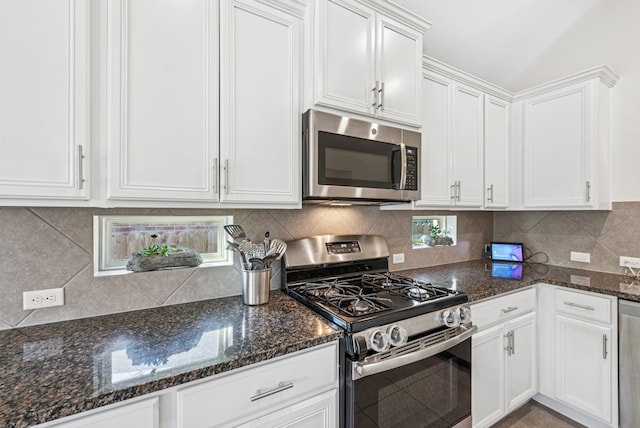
(343, 247)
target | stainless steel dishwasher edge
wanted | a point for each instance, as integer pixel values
(629, 364)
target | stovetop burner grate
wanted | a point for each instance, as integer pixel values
(404, 286)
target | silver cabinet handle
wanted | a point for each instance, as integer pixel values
(226, 176)
(80, 168)
(513, 342)
(509, 309)
(381, 91)
(453, 191)
(458, 191)
(604, 346)
(375, 95)
(215, 175)
(262, 393)
(509, 346)
(575, 305)
(490, 194)
(588, 189)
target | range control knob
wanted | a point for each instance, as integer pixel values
(380, 341)
(464, 314)
(397, 335)
(450, 317)
(359, 347)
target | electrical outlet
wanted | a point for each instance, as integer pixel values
(580, 257)
(398, 258)
(42, 298)
(633, 262)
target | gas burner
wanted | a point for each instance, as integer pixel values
(417, 293)
(327, 289)
(359, 304)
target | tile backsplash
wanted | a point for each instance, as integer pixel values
(53, 247)
(605, 235)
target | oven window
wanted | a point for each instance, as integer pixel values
(434, 392)
(356, 162)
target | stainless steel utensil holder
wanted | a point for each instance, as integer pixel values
(255, 286)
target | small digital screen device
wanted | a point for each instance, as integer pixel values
(506, 252)
(506, 270)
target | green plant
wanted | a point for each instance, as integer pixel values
(436, 232)
(163, 250)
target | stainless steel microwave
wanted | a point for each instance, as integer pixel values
(353, 161)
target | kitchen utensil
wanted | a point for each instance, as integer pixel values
(277, 247)
(256, 263)
(236, 232)
(267, 260)
(252, 249)
(266, 241)
(243, 257)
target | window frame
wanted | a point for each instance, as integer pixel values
(104, 265)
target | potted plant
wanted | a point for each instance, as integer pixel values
(438, 236)
(157, 257)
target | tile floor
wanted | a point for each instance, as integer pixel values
(534, 415)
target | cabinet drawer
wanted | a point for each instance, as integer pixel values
(582, 305)
(502, 308)
(255, 391)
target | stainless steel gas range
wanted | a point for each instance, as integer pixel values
(406, 355)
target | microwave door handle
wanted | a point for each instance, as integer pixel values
(403, 170)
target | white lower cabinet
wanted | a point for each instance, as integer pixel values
(140, 414)
(581, 378)
(299, 390)
(296, 390)
(503, 374)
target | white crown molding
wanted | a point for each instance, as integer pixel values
(439, 67)
(602, 72)
(296, 8)
(399, 13)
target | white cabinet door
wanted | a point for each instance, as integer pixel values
(488, 376)
(315, 412)
(437, 130)
(345, 55)
(521, 361)
(163, 100)
(140, 414)
(496, 152)
(366, 62)
(399, 70)
(44, 99)
(260, 108)
(557, 149)
(468, 136)
(583, 366)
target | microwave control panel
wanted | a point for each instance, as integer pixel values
(411, 182)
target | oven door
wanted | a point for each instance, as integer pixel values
(429, 386)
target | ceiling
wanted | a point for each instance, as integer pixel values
(496, 40)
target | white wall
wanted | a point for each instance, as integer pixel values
(608, 34)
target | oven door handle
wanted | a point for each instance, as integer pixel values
(363, 370)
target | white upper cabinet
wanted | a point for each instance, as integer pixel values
(565, 142)
(261, 63)
(496, 152)
(464, 140)
(367, 59)
(167, 61)
(44, 101)
(162, 76)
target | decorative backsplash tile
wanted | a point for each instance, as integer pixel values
(606, 235)
(52, 247)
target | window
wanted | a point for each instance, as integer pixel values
(433, 231)
(117, 237)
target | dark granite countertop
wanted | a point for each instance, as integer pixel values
(54, 370)
(475, 278)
